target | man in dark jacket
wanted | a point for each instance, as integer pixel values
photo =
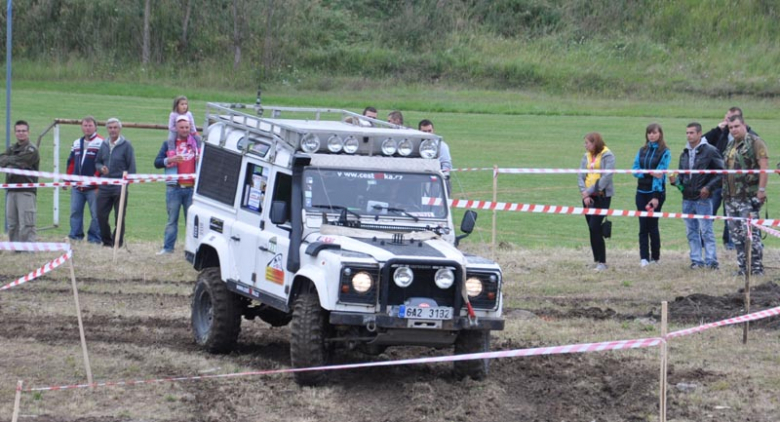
(719, 137)
(20, 208)
(115, 157)
(696, 190)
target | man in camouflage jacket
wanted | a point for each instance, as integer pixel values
(20, 208)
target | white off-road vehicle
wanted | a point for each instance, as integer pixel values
(339, 225)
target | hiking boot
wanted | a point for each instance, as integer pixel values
(643, 263)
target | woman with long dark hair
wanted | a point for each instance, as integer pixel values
(651, 191)
(596, 190)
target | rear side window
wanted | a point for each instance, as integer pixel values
(218, 176)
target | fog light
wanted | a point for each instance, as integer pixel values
(362, 282)
(403, 276)
(473, 286)
(444, 278)
(310, 142)
(351, 145)
(335, 144)
(389, 147)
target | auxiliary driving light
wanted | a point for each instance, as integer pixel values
(351, 145)
(362, 282)
(403, 276)
(389, 146)
(405, 147)
(473, 286)
(310, 142)
(335, 144)
(428, 148)
(444, 278)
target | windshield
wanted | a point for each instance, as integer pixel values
(374, 193)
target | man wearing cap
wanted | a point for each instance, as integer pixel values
(115, 157)
(20, 210)
(179, 156)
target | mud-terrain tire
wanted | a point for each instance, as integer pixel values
(309, 331)
(472, 341)
(216, 313)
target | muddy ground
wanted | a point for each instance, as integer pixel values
(138, 329)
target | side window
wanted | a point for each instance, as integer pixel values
(283, 190)
(254, 187)
(219, 173)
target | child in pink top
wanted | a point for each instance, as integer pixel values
(181, 107)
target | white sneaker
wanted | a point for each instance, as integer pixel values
(643, 263)
(600, 267)
(164, 251)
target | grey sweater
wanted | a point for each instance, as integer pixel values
(118, 159)
(605, 182)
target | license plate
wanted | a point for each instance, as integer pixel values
(416, 312)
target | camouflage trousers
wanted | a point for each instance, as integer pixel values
(738, 229)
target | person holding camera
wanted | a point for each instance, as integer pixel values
(744, 194)
(596, 190)
(697, 191)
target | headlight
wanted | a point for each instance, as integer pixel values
(389, 147)
(403, 276)
(310, 142)
(428, 148)
(405, 147)
(351, 145)
(473, 286)
(444, 278)
(361, 282)
(335, 144)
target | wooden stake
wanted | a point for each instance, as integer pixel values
(81, 323)
(17, 401)
(748, 269)
(664, 364)
(495, 199)
(120, 215)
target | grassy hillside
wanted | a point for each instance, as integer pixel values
(615, 48)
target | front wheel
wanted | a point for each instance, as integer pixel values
(309, 333)
(472, 341)
(216, 313)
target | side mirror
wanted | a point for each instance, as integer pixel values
(279, 212)
(467, 225)
(469, 221)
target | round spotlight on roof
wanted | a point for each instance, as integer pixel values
(405, 147)
(310, 142)
(389, 146)
(351, 145)
(428, 148)
(335, 144)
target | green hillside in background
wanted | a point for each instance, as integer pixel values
(617, 48)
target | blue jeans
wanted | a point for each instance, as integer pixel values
(77, 201)
(700, 231)
(175, 198)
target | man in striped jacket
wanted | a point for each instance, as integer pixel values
(81, 162)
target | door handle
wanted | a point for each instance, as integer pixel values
(236, 238)
(263, 248)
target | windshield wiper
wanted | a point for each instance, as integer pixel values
(398, 210)
(343, 216)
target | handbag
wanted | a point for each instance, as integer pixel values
(606, 228)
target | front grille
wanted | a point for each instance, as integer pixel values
(422, 286)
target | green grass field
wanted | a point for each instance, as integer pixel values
(483, 128)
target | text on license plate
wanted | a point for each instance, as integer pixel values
(416, 312)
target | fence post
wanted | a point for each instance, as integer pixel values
(56, 170)
(81, 323)
(748, 269)
(120, 218)
(495, 198)
(664, 363)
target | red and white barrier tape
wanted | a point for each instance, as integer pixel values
(74, 180)
(33, 246)
(613, 171)
(48, 267)
(140, 178)
(48, 175)
(60, 184)
(766, 313)
(555, 350)
(773, 232)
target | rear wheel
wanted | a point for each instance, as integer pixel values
(216, 313)
(472, 341)
(309, 332)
